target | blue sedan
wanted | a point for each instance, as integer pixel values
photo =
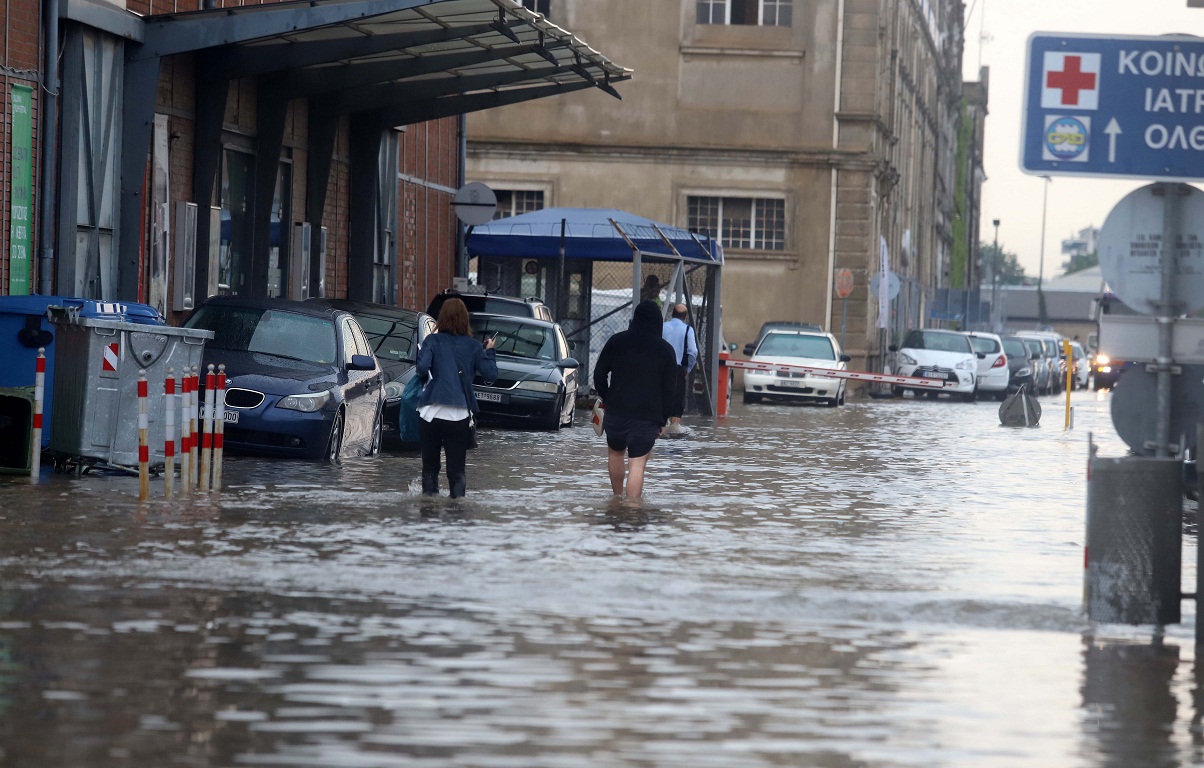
(301, 378)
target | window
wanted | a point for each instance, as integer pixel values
(740, 222)
(765, 13)
(511, 202)
(539, 6)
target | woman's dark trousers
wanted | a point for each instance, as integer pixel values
(452, 438)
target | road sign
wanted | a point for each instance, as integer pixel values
(1114, 106)
(844, 283)
(474, 203)
(1130, 252)
(892, 284)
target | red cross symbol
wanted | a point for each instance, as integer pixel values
(1071, 80)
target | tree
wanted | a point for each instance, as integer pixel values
(1009, 269)
(1080, 261)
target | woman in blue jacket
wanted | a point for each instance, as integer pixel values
(449, 359)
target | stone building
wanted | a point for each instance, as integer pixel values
(802, 135)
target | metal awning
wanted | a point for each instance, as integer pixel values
(393, 62)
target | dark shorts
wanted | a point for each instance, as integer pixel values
(636, 436)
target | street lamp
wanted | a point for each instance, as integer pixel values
(1042, 315)
(995, 260)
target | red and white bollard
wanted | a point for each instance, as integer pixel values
(193, 412)
(207, 426)
(220, 429)
(169, 434)
(143, 445)
(39, 394)
(185, 435)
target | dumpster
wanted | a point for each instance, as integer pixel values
(24, 326)
(16, 430)
(97, 360)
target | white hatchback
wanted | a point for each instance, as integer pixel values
(936, 354)
(813, 349)
(993, 373)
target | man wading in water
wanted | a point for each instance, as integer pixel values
(636, 375)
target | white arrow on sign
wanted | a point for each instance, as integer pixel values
(1112, 130)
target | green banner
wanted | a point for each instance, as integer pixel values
(22, 191)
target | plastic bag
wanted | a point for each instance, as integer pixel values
(597, 416)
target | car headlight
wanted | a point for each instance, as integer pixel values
(1102, 360)
(539, 386)
(304, 403)
(906, 359)
(1024, 372)
(393, 391)
(967, 365)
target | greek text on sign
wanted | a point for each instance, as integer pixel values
(109, 357)
(1114, 106)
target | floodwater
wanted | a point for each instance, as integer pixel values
(892, 583)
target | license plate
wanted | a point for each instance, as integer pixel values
(492, 397)
(789, 383)
(230, 417)
(934, 375)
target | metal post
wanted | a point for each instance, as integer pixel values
(39, 395)
(207, 425)
(220, 429)
(1167, 253)
(1042, 316)
(169, 434)
(185, 434)
(143, 445)
(844, 313)
(995, 317)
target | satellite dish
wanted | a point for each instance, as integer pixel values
(474, 203)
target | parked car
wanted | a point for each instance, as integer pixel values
(780, 325)
(302, 380)
(1022, 362)
(812, 348)
(394, 334)
(537, 379)
(937, 354)
(1082, 365)
(1043, 373)
(993, 371)
(1055, 359)
(492, 304)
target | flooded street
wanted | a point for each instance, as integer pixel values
(892, 583)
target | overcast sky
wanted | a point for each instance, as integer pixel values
(1010, 195)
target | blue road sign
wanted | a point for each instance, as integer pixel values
(1109, 106)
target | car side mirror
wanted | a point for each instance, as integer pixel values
(846, 359)
(568, 362)
(749, 349)
(361, 363)
(893, 348)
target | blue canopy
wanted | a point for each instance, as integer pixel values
(588, 234)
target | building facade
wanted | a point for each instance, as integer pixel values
(162, 152)
(808, 138)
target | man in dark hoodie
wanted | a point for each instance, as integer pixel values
(635, 376)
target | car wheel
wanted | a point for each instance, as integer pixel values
(378, 433)
(750, 398)
(829, 402)
(554, 423)
(970, 397)
(896, 390)
(840, 400)
(334, 448)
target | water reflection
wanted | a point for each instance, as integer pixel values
(1129, 707)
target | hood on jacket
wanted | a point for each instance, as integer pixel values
(647, 317)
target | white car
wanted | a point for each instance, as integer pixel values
(1082, 365)
(936, 354)
(814, 349)
(993, 372)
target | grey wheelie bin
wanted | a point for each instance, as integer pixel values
(95, 419)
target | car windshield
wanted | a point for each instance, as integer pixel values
(269, 332)
(391, 338)
(517, 339)
(1015, 348)
(797, 345)
(984, 344)
(938, 342)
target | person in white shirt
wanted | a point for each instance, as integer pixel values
(682, 338)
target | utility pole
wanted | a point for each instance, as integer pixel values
(1042, 315)
(995, 262)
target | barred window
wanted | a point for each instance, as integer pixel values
(511, 202)
(766, 13)
(754, 223)
(539, 6)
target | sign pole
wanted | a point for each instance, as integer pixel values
(1172, 197)
(844, 313)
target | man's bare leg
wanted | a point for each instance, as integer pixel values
(635, 476)
(616, 465)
